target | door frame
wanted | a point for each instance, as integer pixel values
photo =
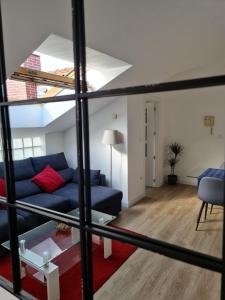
(156, 152)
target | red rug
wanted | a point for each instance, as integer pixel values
(70, 282)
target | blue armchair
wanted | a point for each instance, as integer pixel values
(210, 191)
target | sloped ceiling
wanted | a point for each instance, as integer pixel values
(106, 66)
(27, 23)
(67, 120)
(159, 38)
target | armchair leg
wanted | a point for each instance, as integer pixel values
(199, 215)
(206, 208)
(211, 209)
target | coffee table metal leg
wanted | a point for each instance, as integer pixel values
(107, 247)
(22, 271)
(53, 289)
(75, 235)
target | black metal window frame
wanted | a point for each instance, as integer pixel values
(84, 223)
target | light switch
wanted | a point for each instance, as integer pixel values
(114, 116)
(209, 121)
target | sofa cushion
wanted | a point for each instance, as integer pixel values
(45, 200)
(26, 188)
(48, 180)
(23, 169)
(103, 199)
(49, 201)
(56, 161)
(67, 174)
(94, 174)
(21, 225)
(70, 191)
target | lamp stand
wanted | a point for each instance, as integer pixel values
(110, 182)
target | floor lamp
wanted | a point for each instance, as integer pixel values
(110, 137)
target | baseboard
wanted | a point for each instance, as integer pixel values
(187, 180)
(136, 199)
(124, 205)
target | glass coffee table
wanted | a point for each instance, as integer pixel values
(51, 252)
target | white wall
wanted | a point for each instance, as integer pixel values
(184, 124)
(70, 146)
(99, 153)
(54, 142)
(128, 157)
(30, 132)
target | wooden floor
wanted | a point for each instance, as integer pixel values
(167, 213)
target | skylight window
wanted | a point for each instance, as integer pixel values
(53, 64)
(49, 70)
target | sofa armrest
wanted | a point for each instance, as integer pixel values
(102, 180)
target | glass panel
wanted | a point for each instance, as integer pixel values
(37, 151)
(155, 61)
(137, 274)
(40, 238)
(28, 152)
(56, 137)
(18, 154)
(27, 142)
(37, 141)
(151, 206)
(97, 217)
(48, 252)
(17, 143)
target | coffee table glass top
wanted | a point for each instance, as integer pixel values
(97, 217)
(45, 243)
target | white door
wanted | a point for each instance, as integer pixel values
(150, 144)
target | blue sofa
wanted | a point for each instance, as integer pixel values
(64, 199)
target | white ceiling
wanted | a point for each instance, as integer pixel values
(59, 47)
(161, 39)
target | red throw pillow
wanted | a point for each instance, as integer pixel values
(48, 180)
(2, 187)
(2, 190)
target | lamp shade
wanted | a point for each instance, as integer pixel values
(110, 137)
